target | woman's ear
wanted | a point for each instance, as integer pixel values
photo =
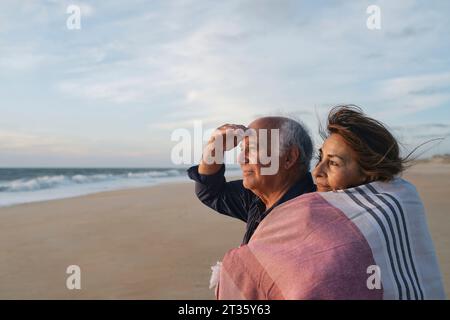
(291, 157)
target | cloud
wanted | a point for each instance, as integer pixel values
(409, 32)
(420, 131)
(23, 57)
(17, 141)
(21, 62)
(22, 145)
(410, 94)
(87, 10)
(163, 64)
(227, 59)
(117, 91)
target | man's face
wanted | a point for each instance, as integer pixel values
(250, 165)
(253, 165)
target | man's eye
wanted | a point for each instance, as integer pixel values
(333, 163)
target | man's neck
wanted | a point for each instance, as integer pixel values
(271, 198)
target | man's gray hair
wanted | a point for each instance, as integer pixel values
(294, 133)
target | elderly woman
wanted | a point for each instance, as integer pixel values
(362, 236)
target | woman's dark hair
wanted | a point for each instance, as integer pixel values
(378, 152)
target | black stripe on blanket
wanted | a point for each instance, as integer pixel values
(405, 231)
(386, 239)
(397, 242)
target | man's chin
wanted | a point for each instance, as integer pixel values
(247, 183)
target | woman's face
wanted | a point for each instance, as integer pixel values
(337, 167)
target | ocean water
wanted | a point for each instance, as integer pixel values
(24, 185)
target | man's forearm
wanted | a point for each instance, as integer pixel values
(208, 164)
(208, 169)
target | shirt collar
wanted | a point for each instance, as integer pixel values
(303, 185)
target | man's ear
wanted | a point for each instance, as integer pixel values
(291, 157)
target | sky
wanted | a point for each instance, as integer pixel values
(111, 93)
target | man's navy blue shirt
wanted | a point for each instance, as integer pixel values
(232, 199)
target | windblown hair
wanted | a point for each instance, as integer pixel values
(378, 152)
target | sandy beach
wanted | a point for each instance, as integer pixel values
(149, 243)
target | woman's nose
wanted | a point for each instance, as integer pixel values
(318, 171)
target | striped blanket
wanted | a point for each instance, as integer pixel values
(368, 242)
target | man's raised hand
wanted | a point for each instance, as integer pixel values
(224, 138)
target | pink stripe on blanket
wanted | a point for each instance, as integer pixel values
(304, 249)
(250, 281)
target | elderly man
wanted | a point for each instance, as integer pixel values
(252, 198)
